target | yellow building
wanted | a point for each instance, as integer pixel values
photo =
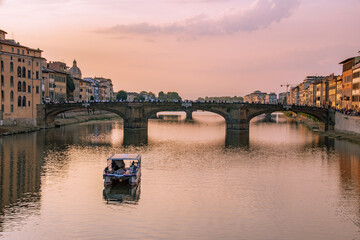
(356, 87)
(85, 90)
(20, 82)
(347, 75)
(338, 92)
(48, 76)
(332, 92)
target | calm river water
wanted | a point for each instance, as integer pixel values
(288, 183)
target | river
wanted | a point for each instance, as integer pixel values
(287, 183)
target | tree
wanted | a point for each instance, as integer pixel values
(161, 95)
(121, 95)
(70, 86)
(141, 98)
(170, 96)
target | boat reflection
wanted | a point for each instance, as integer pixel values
(122, 193)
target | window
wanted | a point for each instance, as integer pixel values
(2, 95)
(22, 51)
(27, 52)
(19, 59)
(2, 80)
(11, 96)
(19, 71)
(37, 64)
(29, 103)
(29, 74)
(356, 75)
(19, 101)
(24, 72)
(12, 49)
(24, 86)
(24, 101)
(29, 63)
(11, 81)
(37, 74)
(2, 65)
(12, 108)
(19, 86)
(29, 89)
(37, 89)
(2, 107)
(18, 51)
(11, 67)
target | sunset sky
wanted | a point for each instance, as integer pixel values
(195, 47)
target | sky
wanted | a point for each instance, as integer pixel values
(195, 47)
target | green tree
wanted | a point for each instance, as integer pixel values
(170, 96)
(121, 95)
(141, 98)
(70, 86)
(161, 95)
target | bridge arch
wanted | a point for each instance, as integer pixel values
(182, 109)
(312, 112)
(51, 113)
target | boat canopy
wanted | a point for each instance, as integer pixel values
(118, 157)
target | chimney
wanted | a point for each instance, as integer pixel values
(2, 35)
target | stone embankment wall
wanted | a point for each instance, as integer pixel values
(61, 120)
(347, 123)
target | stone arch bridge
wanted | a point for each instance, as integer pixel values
(136, 114)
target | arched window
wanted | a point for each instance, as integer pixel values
(19, 101)
(24, 101)
(24, 86)
(11, 67)
(11, 81)
(19, 71)
(2, 65)
(11, 96)
(19, 86)
(24, 72)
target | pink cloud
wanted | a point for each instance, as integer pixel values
(260, 15)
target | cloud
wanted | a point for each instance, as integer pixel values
(261, 14)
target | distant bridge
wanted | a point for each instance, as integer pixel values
(136, 114)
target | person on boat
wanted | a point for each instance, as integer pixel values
(122, 169)
(132, 167)
(114, 166)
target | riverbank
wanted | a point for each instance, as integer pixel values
(320, 128)
(17, 129)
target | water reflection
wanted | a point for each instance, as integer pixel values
(192, 185)
(122, 193)
(21, 159)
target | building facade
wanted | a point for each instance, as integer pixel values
(20, 82)
(355, 87)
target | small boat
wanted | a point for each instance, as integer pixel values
(123, 168)
(121, 193)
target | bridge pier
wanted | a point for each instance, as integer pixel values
(135, 137)
(237, 132)
(188, 115)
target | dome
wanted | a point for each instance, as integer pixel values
(75, 71)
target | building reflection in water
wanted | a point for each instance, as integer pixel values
(122, 193)
(21, 161)
(349, 179)
(27, 159)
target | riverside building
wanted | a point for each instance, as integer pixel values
(20, 82)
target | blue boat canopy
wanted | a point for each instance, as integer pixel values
(118, 157)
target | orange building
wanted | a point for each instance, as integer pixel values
(347, 75)
(21, 78)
